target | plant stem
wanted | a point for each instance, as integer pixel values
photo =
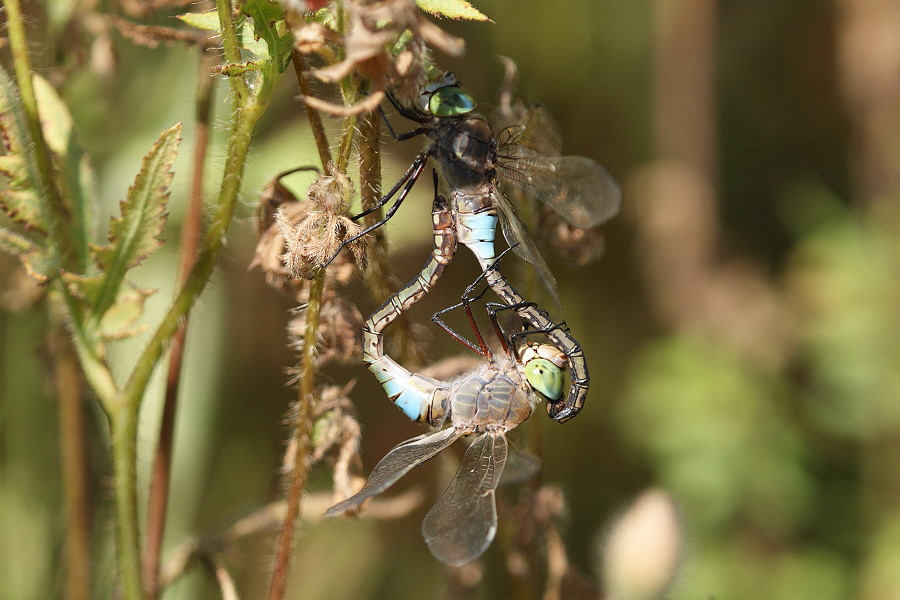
(302, 439)
(315, 119)
(18, 44)
(379, 279)
(247, 111)
(68, 387)
(157, 501)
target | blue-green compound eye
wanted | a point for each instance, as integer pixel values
(451, 101)
(545, 377)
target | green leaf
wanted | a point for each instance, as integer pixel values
(40, 264)
(120, 320)
(136, 234)
(20, 198)
(14, 243)
(208, 21)
(269, 26)
(452, 9)
(56, 122)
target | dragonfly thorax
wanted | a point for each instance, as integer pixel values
(466, 150)
(494, 398)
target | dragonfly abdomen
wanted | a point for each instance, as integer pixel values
(476, 222)
(420, 398)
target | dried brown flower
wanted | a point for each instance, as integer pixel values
(316, 237)
(374, 29)
(340, 324)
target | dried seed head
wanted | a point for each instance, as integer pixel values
(340, 323)
(385, 41)
(312, 236)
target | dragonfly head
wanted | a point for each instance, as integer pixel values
(446, 98)
(544, 365)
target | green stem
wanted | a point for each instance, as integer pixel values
(231, 49)
(18, 44)
(157, 500)
(248, 110)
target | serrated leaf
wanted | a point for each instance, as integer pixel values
(40, 265)
(136, 234)
(452, 9)
(119, 321)
(84, 287)
(14, 243)
(20, 199)
(269, 27)
(207, 21)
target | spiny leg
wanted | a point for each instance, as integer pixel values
(409, 179)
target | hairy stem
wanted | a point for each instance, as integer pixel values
(18, 44)
(248, 109)
(302, 428)
(315, 119)
(379, 279)
(157, 502)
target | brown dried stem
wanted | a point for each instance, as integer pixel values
(73, 454)
(302, 427)
(315, 119)
(379, 279)
(157, 503)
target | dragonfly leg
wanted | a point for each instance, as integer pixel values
(410, 173)
(410, 181)
(409, 113)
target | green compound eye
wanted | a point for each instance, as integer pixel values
(545, 377)
(451, 101)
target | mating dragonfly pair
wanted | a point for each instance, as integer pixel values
(501, 393)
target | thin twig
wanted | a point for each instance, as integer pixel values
(315, 119)
(302, 440)
(73, 456)
(157, 502)
(379, 279)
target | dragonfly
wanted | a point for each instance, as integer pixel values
(488, 402)
(445, 240)
(474, 162)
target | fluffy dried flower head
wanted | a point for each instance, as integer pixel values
(340, 323)
(313, 237)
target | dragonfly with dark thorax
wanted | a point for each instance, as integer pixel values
(473, 162)
(487, 402)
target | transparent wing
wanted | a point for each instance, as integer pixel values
(462, 523)
(539, 132)
(517, 236)
(395, 464)
(579, 189)
(576, 187)
(521, 465)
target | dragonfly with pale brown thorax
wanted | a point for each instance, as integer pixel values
(488, 402)
(474, 161)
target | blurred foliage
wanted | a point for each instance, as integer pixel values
(784, 470)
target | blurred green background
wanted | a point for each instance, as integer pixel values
(742, 327)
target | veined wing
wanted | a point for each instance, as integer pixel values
(576, 187)
(463, 522)
(395, 464)
(518, 237)
(538, 132)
